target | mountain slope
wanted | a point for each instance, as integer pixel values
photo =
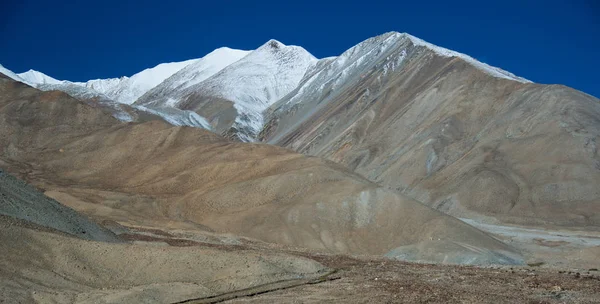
(152, 174)
(234, 98)
(120, 111)
(43, 259)
(460, 136)
(21, 201)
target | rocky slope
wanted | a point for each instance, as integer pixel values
(462, 137)
(21, 201)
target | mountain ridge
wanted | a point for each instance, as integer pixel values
(168, 86)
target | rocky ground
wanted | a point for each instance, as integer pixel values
(367, 279)
(386, 281)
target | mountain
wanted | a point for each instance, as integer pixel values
(397, 148)
(128, 89)
(36, 77)
(233, 99)
(226, 90)
(153, 174)
(169, 91)
(458, 135)
(122, 90)
(121, 111)
(419, 119)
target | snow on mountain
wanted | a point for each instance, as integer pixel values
(262, 77)
(494, 71)
(128, 89)
(249, 82)
(255, 82)
(170, 90)
(36, 77)
(381, 56)
(75, 90)
(12, 75)
(87, 91)
(101, 85)
(120, 111)
(385, 53)
(331, 74)
(123, 90)
(177, 117)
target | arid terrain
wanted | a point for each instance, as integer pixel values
(188, 266)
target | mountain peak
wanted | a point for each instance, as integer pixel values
(275, 44)
(224, 52)
(272, 45)
(392, 38)
(36, 77)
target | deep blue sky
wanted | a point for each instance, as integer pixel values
(547, 41)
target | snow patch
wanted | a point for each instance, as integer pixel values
(178, 117)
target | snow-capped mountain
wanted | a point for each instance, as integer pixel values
(110, 93)
(330, 74)
(122, 90)
(36, 78)
(170, 90)
(381, 56)
(249, 85)
(256, 82)
(75, 89)
(128, 89)
(262, 77)
(388, 50)
(234, 88)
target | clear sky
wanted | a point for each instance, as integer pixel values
(548, 41)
